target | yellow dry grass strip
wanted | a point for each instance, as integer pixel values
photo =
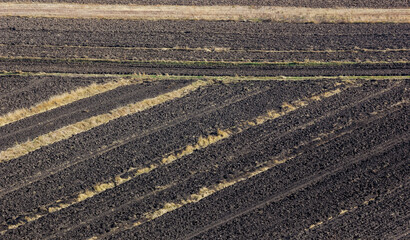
(208, 191)
(66, 132)
(227, 79)
(236, 13)
(342, 212)
(63, 99)
(202, 142)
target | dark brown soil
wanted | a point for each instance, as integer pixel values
(203, 34)
(346, 173)
(286, 3)
(352, 148)
(31, 127)
(200, 55)
(218, 41)
(22, 91)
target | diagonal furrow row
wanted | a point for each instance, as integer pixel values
(285, 108)
(63, 99)
(118, 142)
(204, 192)
(29, 128)
(202, 142)
(87, 124)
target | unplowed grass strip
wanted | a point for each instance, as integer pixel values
(66, 132)
(63, 99)
(235, 13)
(197, 63)
(149, 77)
(202, 142)
(214, 49)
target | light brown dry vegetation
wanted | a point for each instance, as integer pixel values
(237, 13)
(202, 142)
(63, 99)
(66, 132)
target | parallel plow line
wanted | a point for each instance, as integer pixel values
(66, 132)
(295, 187)
(213, 49)
(189, 63)
(122, 141)
(202, 143)
(63, 99)
(227, 79)
(349, 210)
(260, 168)
(215, 13)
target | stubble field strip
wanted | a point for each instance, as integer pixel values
(31, 127)
(85, 125)
(157, 226)
(227, 79)
(195, 63)
(103, 66)
(105, 185)
(116, 142)
(22, 126)
(21, 91)
(282, 3)
(214, 13)
(204, 192)
(202, 143)
(293, 198)
(63, 99)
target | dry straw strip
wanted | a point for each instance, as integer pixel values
(63, 99)
(171, 12)
(68, 131)
(202, 142)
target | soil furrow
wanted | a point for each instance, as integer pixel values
(249, 101)
(319, 194)
(359, 219)
(31, 127)
(221, 166)
(17, 97)
(210, 54)
(159, 178)
(166, 231)
(203, 34)
(139, 126)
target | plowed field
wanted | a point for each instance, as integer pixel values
(137, 129)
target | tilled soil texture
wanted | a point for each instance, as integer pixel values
(329, 152)
(199, 40)
(285, 3)
(204, 68)
(24, 91)
(31, 127)
(209, 54)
